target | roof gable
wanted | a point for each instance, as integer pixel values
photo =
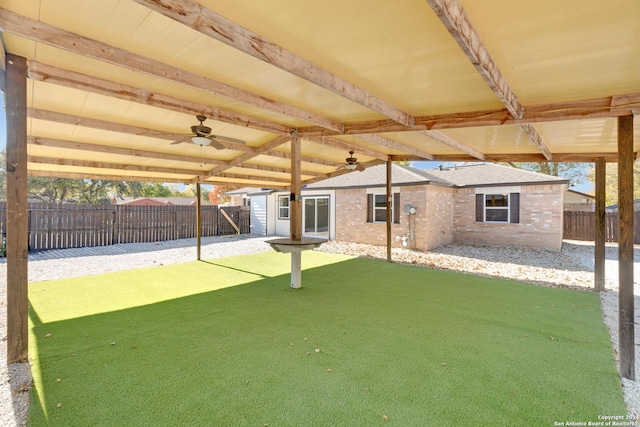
(485, 174)
(474, 175)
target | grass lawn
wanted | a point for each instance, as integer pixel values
(363, 343)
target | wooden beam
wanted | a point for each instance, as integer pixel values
(17, 215)
(343, 171)
(530, 157)
(386, 142)
(43, 33)
(87, 175)
(57, 117)
(295, 204)
(98, 148)
(454, 143)
(342, 145)
(71, 79)
(275, 142)
(198, 17)
(117, 166)
(625, 247)
(3, 66)
(306, 159)
(252, 178)
(389, 210)
(601, 225)
(455, 19)
(274, 169)
(571, 110)
(198, 221)
(535, 137)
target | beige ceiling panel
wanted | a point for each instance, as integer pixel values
(367, 42)
(552, 51)
(587, 136)
(494, 139)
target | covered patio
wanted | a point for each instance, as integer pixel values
(102, 89)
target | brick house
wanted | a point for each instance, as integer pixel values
(478, 204)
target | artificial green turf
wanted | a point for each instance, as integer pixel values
(364, 342)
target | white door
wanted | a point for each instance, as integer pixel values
(316, 216)
(259, 215)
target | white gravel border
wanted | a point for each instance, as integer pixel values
(572, 267)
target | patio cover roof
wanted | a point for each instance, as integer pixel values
(113, 82)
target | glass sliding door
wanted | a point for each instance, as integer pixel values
(316, 216)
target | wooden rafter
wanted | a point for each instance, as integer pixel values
(455, 19)
(273, 169)
(386, 142)
(342, 145)
(530, 157)
(249, 178)
(595, 108)
(454, 143)
(275, 142)
(108, 149)
(53, 116)
(117, 166)
(343, 171)
(207, 22)
(87, 175)
(535, 137)
(306, 159)
(59, 76)
(40, 32)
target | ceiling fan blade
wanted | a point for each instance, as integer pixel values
(216, 144)
(359, 167)
(228, 139)
(180, 141)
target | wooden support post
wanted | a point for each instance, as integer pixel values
(295, 209)
(625, 246)
(198, 222)
(389, 199)
(295, 202)
(17, 232)
(599, 251)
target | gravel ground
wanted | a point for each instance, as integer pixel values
(572, 267)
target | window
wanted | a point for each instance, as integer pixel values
(500, 207)
(377, 208)
(283, 207)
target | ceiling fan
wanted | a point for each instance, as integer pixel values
(352, 163)
(201, 135)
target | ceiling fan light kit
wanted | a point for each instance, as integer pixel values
(200, 140)
(201, 135)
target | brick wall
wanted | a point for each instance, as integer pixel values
(540, 223)
(430, 226)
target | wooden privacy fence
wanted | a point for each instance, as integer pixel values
(582, 226)
(59, 226)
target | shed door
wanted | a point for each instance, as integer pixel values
(259, 215)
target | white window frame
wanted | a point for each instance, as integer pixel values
(495, 208)
(282, 209)
(382, 208)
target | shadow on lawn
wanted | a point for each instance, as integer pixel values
(362, 340)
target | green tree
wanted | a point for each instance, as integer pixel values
(576, 173)
(154, 189)
(611, 181)
(53, 190)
